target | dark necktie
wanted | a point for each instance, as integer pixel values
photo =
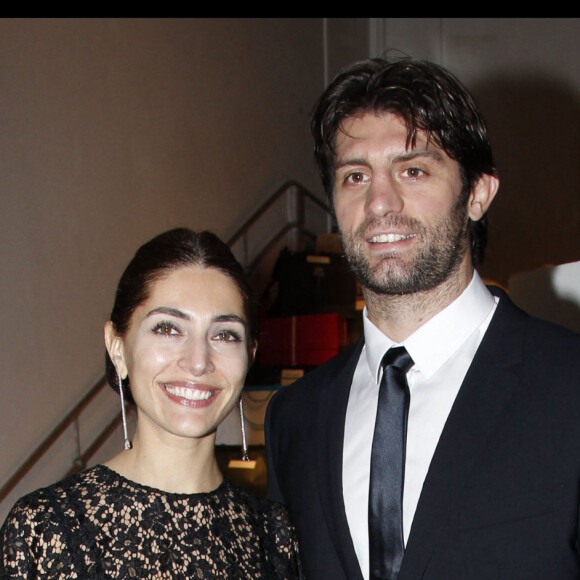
(386, 544)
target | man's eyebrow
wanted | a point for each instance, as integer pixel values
(434, 154)
(340, 163)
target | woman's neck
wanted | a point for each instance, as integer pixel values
(176, 467)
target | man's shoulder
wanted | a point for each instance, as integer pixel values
(549, 326)
(554, 345)
(312, 385)
(509, 310)
(329, 369)
(544, 344)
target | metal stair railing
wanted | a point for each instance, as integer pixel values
(295, 220)
(70, 419)
(294, 223)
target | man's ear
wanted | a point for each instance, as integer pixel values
(115, 348)
(481, 196)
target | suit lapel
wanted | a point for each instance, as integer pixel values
(331, 418)
(487, 387)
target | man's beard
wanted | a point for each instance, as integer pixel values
(442, 248)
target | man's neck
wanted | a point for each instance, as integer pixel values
(399, 315)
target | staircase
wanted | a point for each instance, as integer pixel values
(289, 253)
(309, 311)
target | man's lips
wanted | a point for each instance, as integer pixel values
(389, 238)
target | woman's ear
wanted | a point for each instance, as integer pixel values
(481, 196)
(115, 348)
(252, 354)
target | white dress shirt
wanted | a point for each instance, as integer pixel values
(442, 350)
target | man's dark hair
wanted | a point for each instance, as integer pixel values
(429, 99)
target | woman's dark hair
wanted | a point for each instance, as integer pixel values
(168, 251)
(429, 99)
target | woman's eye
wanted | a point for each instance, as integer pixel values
(228, 336)
(165, 329)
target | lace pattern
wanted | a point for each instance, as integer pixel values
(97, 524)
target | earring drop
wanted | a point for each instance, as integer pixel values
(244, 442)
(245, 462)
(127, 444)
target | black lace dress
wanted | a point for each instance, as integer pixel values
(97, 524)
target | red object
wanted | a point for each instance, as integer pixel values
(305, 340)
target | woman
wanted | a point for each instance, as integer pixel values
(181, 337)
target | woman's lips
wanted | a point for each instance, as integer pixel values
(191, 395)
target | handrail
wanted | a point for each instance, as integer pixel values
(82, 460)
(269, 202)
(283, 231)
(45, 445)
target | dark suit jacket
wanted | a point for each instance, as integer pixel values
(501, 497)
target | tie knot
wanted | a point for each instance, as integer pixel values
(398, 357)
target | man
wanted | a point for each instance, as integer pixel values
(490, 476)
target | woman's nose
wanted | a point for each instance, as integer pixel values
(196, 357)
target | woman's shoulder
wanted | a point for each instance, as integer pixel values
(256, 507)
(249, 499)
(90, 483)
(46, 525)
(272, 527)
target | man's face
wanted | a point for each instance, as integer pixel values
(403, 226)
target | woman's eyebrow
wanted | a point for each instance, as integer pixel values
(169, 312)
(175, 312)
(230, 318)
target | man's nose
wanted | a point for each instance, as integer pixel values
(384, 196)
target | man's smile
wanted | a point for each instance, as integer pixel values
(389, 238)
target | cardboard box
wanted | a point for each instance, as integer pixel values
(305, 340)
(328, 243)
(310, 283)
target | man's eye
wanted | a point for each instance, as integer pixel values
(356, 177)
(165, 329)
(413, 172)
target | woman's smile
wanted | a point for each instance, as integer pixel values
(186, 352)
(191, 395)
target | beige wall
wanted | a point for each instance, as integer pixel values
(112, 131)
(116, 129)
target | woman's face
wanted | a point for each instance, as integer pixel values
(186, 352)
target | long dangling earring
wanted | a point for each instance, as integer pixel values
(123, 413)
(245, 456)
(245, 462)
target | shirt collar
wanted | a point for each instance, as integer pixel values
(432, 344)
